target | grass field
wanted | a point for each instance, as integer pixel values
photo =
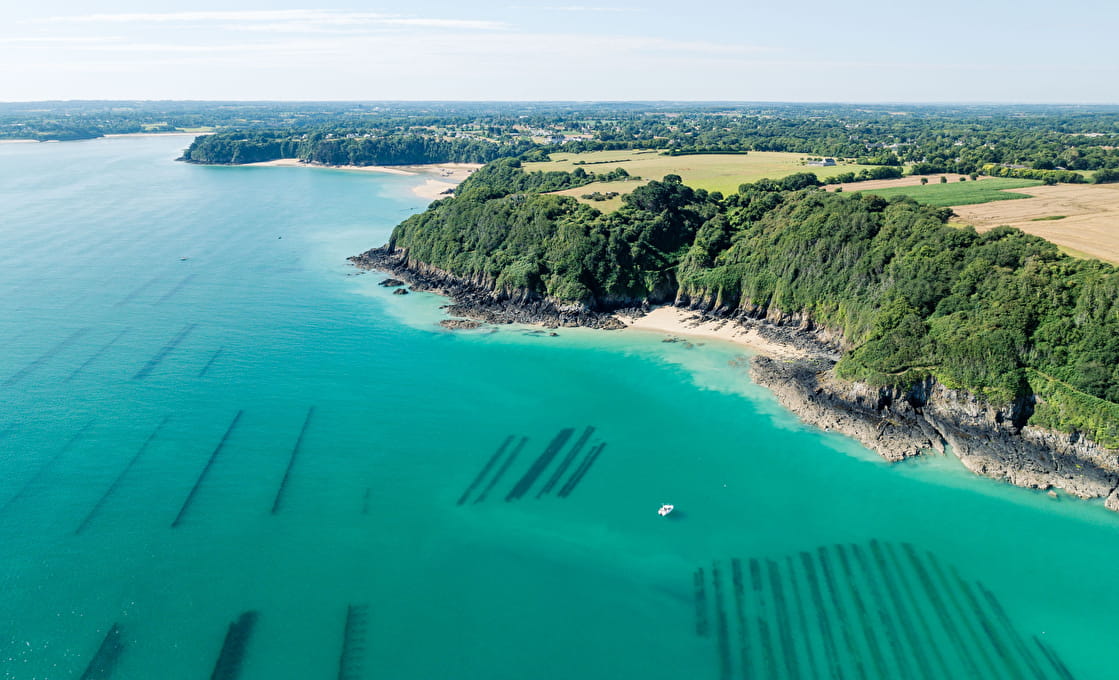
(713, 172)
(961, 193)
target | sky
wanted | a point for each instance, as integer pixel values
(742, 50)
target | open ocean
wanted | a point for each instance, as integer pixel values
(226, 453)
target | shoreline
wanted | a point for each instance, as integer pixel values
(675, 321)
(114, 135)
(154, 134)
(796, 362)
(448, 175)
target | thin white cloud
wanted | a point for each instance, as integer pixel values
(59, 40)
(296, 18)
(577, 8)
(461, 46)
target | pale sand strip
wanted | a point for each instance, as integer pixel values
(19, 141)
(450, 174)
(676, 321)
(433, 189)
(296, 163)
(157, 134)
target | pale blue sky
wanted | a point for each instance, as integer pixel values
(808, 50)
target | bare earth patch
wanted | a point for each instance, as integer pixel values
(1090, 226)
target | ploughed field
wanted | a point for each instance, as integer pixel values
(1081, 218)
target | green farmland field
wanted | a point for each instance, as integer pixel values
(961, 193)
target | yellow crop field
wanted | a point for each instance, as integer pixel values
(1081, 218)
(713, 172)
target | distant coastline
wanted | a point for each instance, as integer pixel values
(107, 136)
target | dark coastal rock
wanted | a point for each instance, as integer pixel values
(473, 300)
(899, 424)
(391, 283)
(400, 291)
(460, 324)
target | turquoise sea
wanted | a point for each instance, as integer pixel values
(225, 453)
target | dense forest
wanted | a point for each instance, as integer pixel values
(354, 149)
(1001, 314)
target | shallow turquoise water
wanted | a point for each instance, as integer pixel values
(147, 303)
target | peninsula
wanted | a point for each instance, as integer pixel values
(914, 335)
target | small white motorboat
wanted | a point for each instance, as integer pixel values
(665, 509)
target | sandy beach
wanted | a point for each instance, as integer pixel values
(449, 175)
(296, 163)
(674, 321)
(159, 134)
(433, 189)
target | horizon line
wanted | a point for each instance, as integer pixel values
(573, 101)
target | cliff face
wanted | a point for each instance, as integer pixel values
(902, 423)
(895, 423)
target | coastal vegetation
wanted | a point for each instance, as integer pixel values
(1000, 314)
(355, 149)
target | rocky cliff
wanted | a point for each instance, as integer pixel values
(902, 423)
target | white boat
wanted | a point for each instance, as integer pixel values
(665, 509)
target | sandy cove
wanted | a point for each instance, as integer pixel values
(449, 175)
(683, 322)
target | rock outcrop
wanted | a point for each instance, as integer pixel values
(476, 300)
(899, 424)
(460, 324)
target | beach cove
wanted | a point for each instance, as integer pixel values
(216, 430)
(441, 178)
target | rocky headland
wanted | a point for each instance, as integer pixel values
(477, 300)
(897, 424)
